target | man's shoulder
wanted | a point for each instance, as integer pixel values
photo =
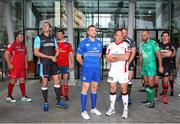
(141, 44)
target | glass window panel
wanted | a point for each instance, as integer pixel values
(153, 14)
(39, 11)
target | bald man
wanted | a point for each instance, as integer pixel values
(148, 50)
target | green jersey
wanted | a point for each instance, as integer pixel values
(148, 51)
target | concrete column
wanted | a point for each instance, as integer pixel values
(69, 8)
(8, 21)
(131, 17)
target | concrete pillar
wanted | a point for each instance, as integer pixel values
(131, 17)
(8, 21)
(69, 8)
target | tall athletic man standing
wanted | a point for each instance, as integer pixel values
(46, 48)
(148, 51)
(118, 54)
(65, 54)
(88, 55)
(16, 58)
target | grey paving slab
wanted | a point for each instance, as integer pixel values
(32, 112)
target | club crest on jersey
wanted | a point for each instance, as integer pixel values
(87, 44)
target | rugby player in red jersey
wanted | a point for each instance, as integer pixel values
(16, 58)
(65, 54)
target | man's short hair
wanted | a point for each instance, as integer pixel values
(61, 30)
(164, 32)
(18, 33)
(90, 26)
(124, 29)
(117, 31)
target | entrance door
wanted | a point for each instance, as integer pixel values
(30, 35)
(155, 35)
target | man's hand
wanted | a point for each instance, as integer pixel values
(53, 58)
(71, 67)
(10, 66)
(161, 69)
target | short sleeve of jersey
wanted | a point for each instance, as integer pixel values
(10, 48)
(55, 43)
(132, 42)
(127, 48)
(108, 50)
(155, 46)
(80, 49)
(172, 48)
(37, 42)
(70, 48)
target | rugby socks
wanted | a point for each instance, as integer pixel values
(44, 93)
(60, 90)
(83, 101)
(22, 88)
(152, 94)
(10, 89)
(93, 100)
(112, 99)
(172, 84)
(129, 88)
(56, 89)
(147, 93)
(125, 100)
(165, 88)
(66, 90)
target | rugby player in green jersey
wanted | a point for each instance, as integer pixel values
(148, 50)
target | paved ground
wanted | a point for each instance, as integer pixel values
(32, 112)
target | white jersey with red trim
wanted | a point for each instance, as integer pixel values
(115, 49)
(118, 70)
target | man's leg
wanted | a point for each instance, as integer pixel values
(156, 85)
(9, 98)
(60, 103)
(84, 90)
(151, 80)
(165, 89)
(145, 78)
(112, 97)
(66, 86)
(130, 76)
(23, 90)
(125, 99)
(171, 81)
(61, 85)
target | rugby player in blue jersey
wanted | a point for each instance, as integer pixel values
(88, 55)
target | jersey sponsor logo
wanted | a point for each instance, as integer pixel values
(21, 50)
(87, 44)
(94, 48)
(48, 44)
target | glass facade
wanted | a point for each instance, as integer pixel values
(106, 15)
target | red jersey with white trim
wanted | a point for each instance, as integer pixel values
(115, 49)
(64, 49)
(17, 55)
